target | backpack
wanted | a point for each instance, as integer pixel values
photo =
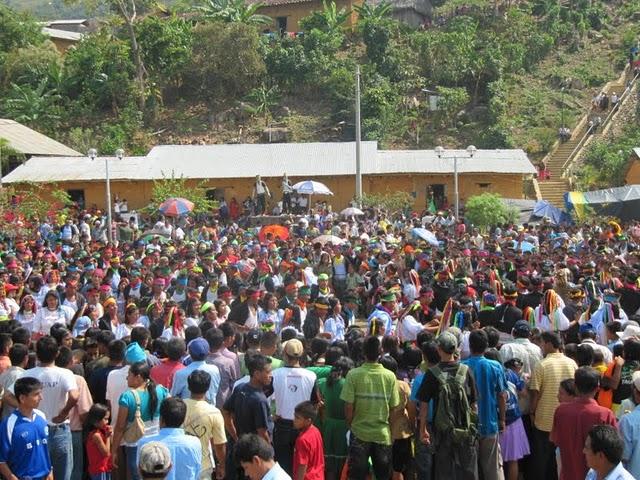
(453, 419)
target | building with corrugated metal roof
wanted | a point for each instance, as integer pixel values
(28, 143)
(229, 171)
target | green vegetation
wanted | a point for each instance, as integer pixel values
(488, 209)
(177, 187)
(201, 70)
(605, 160)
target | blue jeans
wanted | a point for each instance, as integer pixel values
(101, 476)
(78, 455)
(61, 451)
(132, 463)
(424, 458)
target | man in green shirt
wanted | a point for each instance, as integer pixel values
(370, 393)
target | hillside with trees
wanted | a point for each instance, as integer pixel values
(204, 71)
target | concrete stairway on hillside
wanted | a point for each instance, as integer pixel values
(553, 190)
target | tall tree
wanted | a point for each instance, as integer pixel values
(128, 11)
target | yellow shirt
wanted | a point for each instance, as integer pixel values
(204, 421)
(546, 378)
(399, 418)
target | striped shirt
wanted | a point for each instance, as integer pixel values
(373, 391)
(552, 370)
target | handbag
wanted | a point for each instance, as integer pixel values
(135, 430)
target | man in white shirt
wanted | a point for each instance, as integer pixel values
(59, 395)
(522, 348)
(287, 190)
(292, 385)
(260, 193)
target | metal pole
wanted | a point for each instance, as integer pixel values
(358, 134)
(108, 195)
(562, 108)
(455, 185)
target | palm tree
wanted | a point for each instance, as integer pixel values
(35, 107)
(262, 100)
(329, 19)
(377, 12)
(6, 152)
(233, 11)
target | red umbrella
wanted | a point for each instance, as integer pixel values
(174, 207)
(276, 231)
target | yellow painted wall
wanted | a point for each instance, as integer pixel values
(138, 193)
(633, 174)
(297, 11)
(63, 45)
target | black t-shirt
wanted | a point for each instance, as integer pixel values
(250, 408)
(529, 300)
(441, 293)
(98, 383)
(487, 318)
(629, 300)
(506, 315)
(430, 386)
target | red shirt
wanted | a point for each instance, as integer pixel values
(571, 424)
(310, 452)
(163, 373)
(96, 461)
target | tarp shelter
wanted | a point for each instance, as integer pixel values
(544, 209)
(620, 202)
(524, 207)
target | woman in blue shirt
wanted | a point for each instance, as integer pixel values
(144, 391)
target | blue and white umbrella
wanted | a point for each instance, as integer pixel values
(311, 187)
(426, 235)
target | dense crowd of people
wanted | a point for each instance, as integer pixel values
(327, 347)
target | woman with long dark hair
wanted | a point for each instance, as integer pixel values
(334, 424)
(144, 394)
(50, 314)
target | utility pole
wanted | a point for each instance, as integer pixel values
(358, 135)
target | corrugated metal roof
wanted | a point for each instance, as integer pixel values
(78, 21)
(483, 161)
(308, 160)
(62, 34)
(28, 141)
(60, 169)
(268, 160)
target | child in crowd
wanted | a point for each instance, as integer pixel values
(98, 442)
(308, 453)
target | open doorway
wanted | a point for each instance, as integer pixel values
(281, 25)
(77, 196)
(436, 196)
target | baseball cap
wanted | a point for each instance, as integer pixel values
(154, 459)
(293, 348)
(323, 276)
(522, 327)
(447, 342)
(198, 348)
(586, 328)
